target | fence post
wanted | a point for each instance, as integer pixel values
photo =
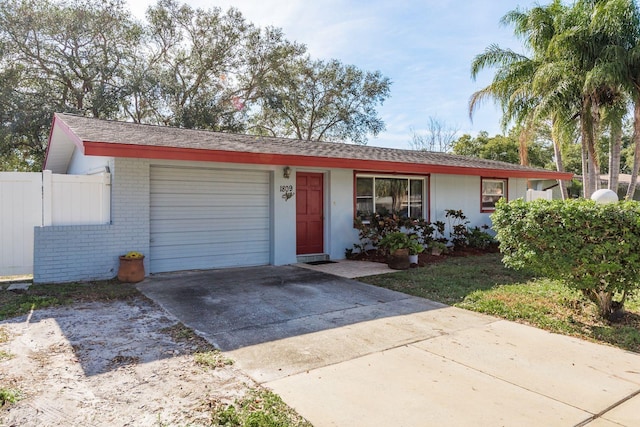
(46, 198)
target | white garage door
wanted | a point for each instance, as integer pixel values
(208, 218)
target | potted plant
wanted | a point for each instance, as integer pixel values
(397, 246)
(438, 248)
(131, 267)
(415, 248)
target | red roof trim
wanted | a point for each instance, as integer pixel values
(192, 154)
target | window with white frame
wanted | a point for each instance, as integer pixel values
(493, 189)
(386, 195)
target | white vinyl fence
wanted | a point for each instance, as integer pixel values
(536, 194)
(33, 199)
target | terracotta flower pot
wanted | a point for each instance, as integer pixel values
(399, 260)
(131, 270)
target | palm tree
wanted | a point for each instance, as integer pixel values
(613, 119)
(636, 149)
(610, 39)
(595, 29)
(619, 21)
(523, 102)
(571, 54)
(569, 77)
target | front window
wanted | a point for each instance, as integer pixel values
(492, 191)
(386, 195)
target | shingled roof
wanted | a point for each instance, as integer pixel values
(124, 139)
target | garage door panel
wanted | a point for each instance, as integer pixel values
(160, 200)
(200, 212)
(185, 198)
(204, 263)
(241, 205)
(209, 237)
(236, 224)
(203, 224)
(188, 174)
(210, 189)
(208, 218)
(206, 250)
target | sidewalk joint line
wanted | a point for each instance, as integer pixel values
(609, 409)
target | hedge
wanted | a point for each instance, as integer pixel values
(591, 247)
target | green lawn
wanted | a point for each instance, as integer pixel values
(483, 284)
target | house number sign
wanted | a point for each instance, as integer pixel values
(287, 192)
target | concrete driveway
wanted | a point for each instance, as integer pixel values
(343, 353)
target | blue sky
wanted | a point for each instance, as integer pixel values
(424, 46)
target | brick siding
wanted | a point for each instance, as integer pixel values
(90, 252)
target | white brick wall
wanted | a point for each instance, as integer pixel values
(90, 252)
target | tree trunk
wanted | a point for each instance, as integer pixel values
(594, 173)
(607, 307)
(586, 188)
(614, 156)
(523, 149)
(557, 152)
(594, 129)
(636, 152)
(602, 299)
(590, 175)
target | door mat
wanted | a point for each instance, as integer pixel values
(320, 262)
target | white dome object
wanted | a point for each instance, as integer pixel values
(604, 196)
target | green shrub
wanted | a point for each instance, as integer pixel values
(423, 230)
(590, 247)
(423, 233)
(477, 237)
(394, 241)
(415, 247)
(372, 233)
(457, 227)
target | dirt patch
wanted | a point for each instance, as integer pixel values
(110, 363)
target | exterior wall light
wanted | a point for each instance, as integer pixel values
(286, 172)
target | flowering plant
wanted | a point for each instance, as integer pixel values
(133, 255)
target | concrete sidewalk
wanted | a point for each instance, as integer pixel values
(343, 353)
(489, 373)
(350, 268)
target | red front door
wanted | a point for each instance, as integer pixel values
(309, 213)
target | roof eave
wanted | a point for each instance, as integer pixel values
(61, 140)
(223, 156)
